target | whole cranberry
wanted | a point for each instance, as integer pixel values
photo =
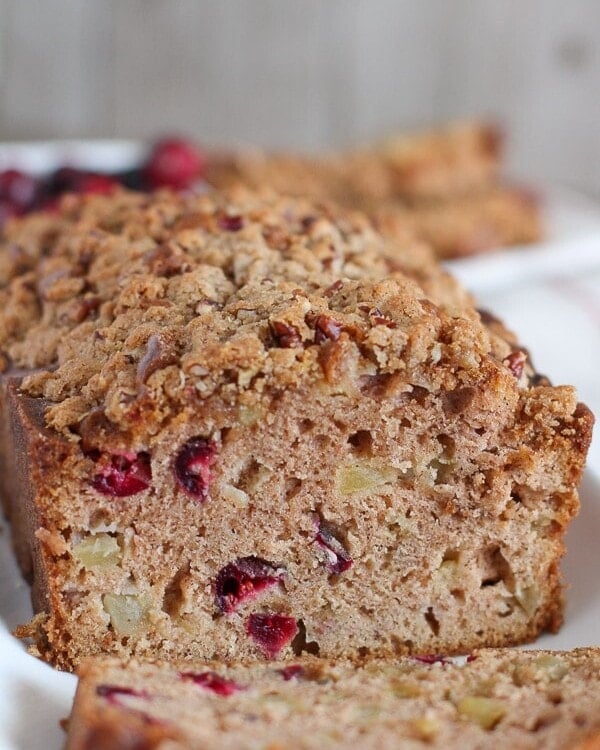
(174, 162)
(113, 692)
(292, 671)
(66, 180)
(97, 184)
(7, 211)
(430, 658)
(18, 188)
(133, 179)
(231, 223)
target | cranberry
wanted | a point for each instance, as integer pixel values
(134, 179)
(7, 211)
(212, 681)
(49, 205)
(192, 467)
(70, 180)
(230, 223)
(430, 659)
(287, 336)
(271, 632)
(174, 162)
(122, 474)
(244, 580)
(97, 184)
(306, 222)
(516, 363)
(112, 693)
(18, 188)
(294, 670)
(472, 657)
(67, 180)
(338, 559)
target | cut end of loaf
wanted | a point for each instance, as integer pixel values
(253, 445)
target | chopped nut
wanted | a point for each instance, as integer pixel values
(285, 335)
(516, 363)
(52, 540)
(326, 328)
(160, 353)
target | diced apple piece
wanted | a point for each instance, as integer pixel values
(98, 550)
(426, 727)
(528, 599)
(553, 666)
(360, 477)
(486, 712)
(249, 415)
(404, 689)
(128, 612)
(235, 496)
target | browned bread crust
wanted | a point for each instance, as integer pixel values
(251, 432)
(499, 699)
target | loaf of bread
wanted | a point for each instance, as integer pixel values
(466, 225)
(457, 159)
(441, 185)
(241, 426)
(499, 700)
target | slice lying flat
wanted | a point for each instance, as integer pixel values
(498, 699)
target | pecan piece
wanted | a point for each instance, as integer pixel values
(286, 335)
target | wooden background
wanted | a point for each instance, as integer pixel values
(308, 74)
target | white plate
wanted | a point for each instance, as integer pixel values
(42, 157)
(33, 697)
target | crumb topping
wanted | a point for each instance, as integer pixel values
(135, 305)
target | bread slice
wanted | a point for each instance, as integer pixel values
(467, 225)
(247, 432)
(441, 186)
(457, 159)
(498, 699)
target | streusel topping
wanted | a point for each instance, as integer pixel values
(140, 305)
